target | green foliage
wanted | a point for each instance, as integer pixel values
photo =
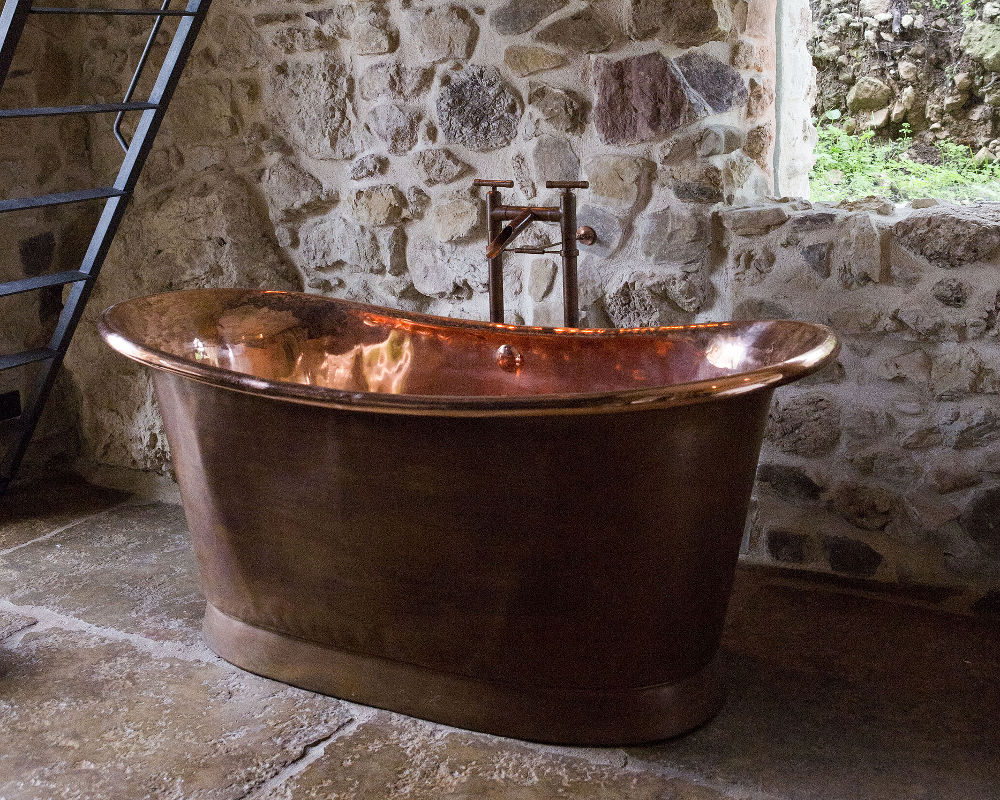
(853, 166)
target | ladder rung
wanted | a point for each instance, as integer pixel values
(40, 282)
(27, 357)
(97, 108)
(59, 198)
(128, 12)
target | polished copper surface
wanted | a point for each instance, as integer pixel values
(522, 531)
(307, 348)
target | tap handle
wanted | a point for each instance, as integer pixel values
(567, 184)
(494, 184)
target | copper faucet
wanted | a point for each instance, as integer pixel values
(518, 218)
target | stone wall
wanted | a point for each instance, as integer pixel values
(887, 464)
(933, 66)
(331, 147)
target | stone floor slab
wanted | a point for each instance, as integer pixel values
(131, 569)
(33, 510)
(843, 697)
(392, 757)
(103, 720)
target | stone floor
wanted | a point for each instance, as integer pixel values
(106, 691)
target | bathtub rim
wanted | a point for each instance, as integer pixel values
(768, 377)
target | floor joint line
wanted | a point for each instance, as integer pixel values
(62, 529)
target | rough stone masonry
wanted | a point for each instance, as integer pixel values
(330, 147)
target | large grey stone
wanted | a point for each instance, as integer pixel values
(396, 125)
(851, 556)
(439, 165)
(329, 243)
(857, 252)
(789, 546)
(478, 109)
(456, 216)
(443, 270)
(951, 236)
(561, 109)
(371, 32)
(443, 33)
(553, 159)
(526, 60)
(719, 84)
(643, 98)
(617, 180)
(754, 220)
(805, 425)
(290, 190)
(868, 94)
(311, 101)
(685, 23)
(646, 299)
(789, 482)
(367, 166)
(541, 278)
(586, 31)
(377, 205)
(513, 17)
(870, 508)
(981, 40)
(689, 290)
(950, 292)
(391, 80)
(675, 235)
(607, 227)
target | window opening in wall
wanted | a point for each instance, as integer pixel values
(907, 99)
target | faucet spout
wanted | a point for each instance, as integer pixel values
(508, 233)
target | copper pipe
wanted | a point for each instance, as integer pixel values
(494, 226)
(571, 289)
(542, 213)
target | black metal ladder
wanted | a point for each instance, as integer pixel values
(12, 21)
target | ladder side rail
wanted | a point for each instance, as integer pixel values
(165, 6)
(107, 226)
(12, 19)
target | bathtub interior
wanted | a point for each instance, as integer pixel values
(292, 338)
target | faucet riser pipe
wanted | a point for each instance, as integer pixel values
(496, 263)
(571, 287)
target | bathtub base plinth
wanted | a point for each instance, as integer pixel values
(551, 715)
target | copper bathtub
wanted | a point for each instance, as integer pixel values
(529, 532)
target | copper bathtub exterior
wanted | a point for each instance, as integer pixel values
(521, 531)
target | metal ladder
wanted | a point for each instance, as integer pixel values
(12, 21)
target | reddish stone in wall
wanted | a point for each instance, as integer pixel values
(643, 98)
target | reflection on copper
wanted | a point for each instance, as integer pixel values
(316, 350)
(726, 352)
(381, 367)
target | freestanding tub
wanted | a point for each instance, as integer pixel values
(524, 531)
